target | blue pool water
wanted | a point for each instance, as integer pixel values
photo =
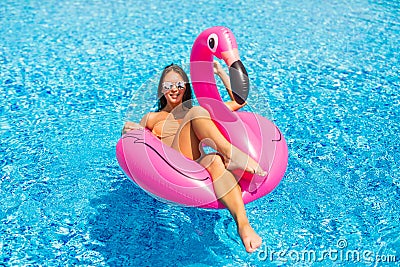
(327, 72)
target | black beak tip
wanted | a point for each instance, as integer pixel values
(239, 82)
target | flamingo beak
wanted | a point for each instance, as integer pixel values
(238, 75)
(239, 81)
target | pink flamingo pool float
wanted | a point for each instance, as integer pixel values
(167, 175)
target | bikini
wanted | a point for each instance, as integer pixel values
(166, 128)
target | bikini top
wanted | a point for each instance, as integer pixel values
(166, 128)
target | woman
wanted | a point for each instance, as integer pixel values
(183, 127)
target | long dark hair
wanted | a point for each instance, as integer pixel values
(187, 97)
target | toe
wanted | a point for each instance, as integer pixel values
(248, 246)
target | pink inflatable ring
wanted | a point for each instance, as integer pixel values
(167, 175)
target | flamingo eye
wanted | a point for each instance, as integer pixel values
(212, 42)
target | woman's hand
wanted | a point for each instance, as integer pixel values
(232, 105)
(218, 68)
(129, 126)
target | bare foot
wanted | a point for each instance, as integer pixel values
(240, 160)
(251, 240)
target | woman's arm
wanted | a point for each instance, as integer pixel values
(232, 105)
(144, 123)
(129, 126)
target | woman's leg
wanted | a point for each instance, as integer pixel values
(197, 126)
(230, 194)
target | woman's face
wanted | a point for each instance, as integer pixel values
(173, 82)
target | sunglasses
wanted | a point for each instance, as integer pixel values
(167, 86)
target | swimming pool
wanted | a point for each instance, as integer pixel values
(329, 73)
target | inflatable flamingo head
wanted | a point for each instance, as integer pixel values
(215, 41)
(220, 42)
